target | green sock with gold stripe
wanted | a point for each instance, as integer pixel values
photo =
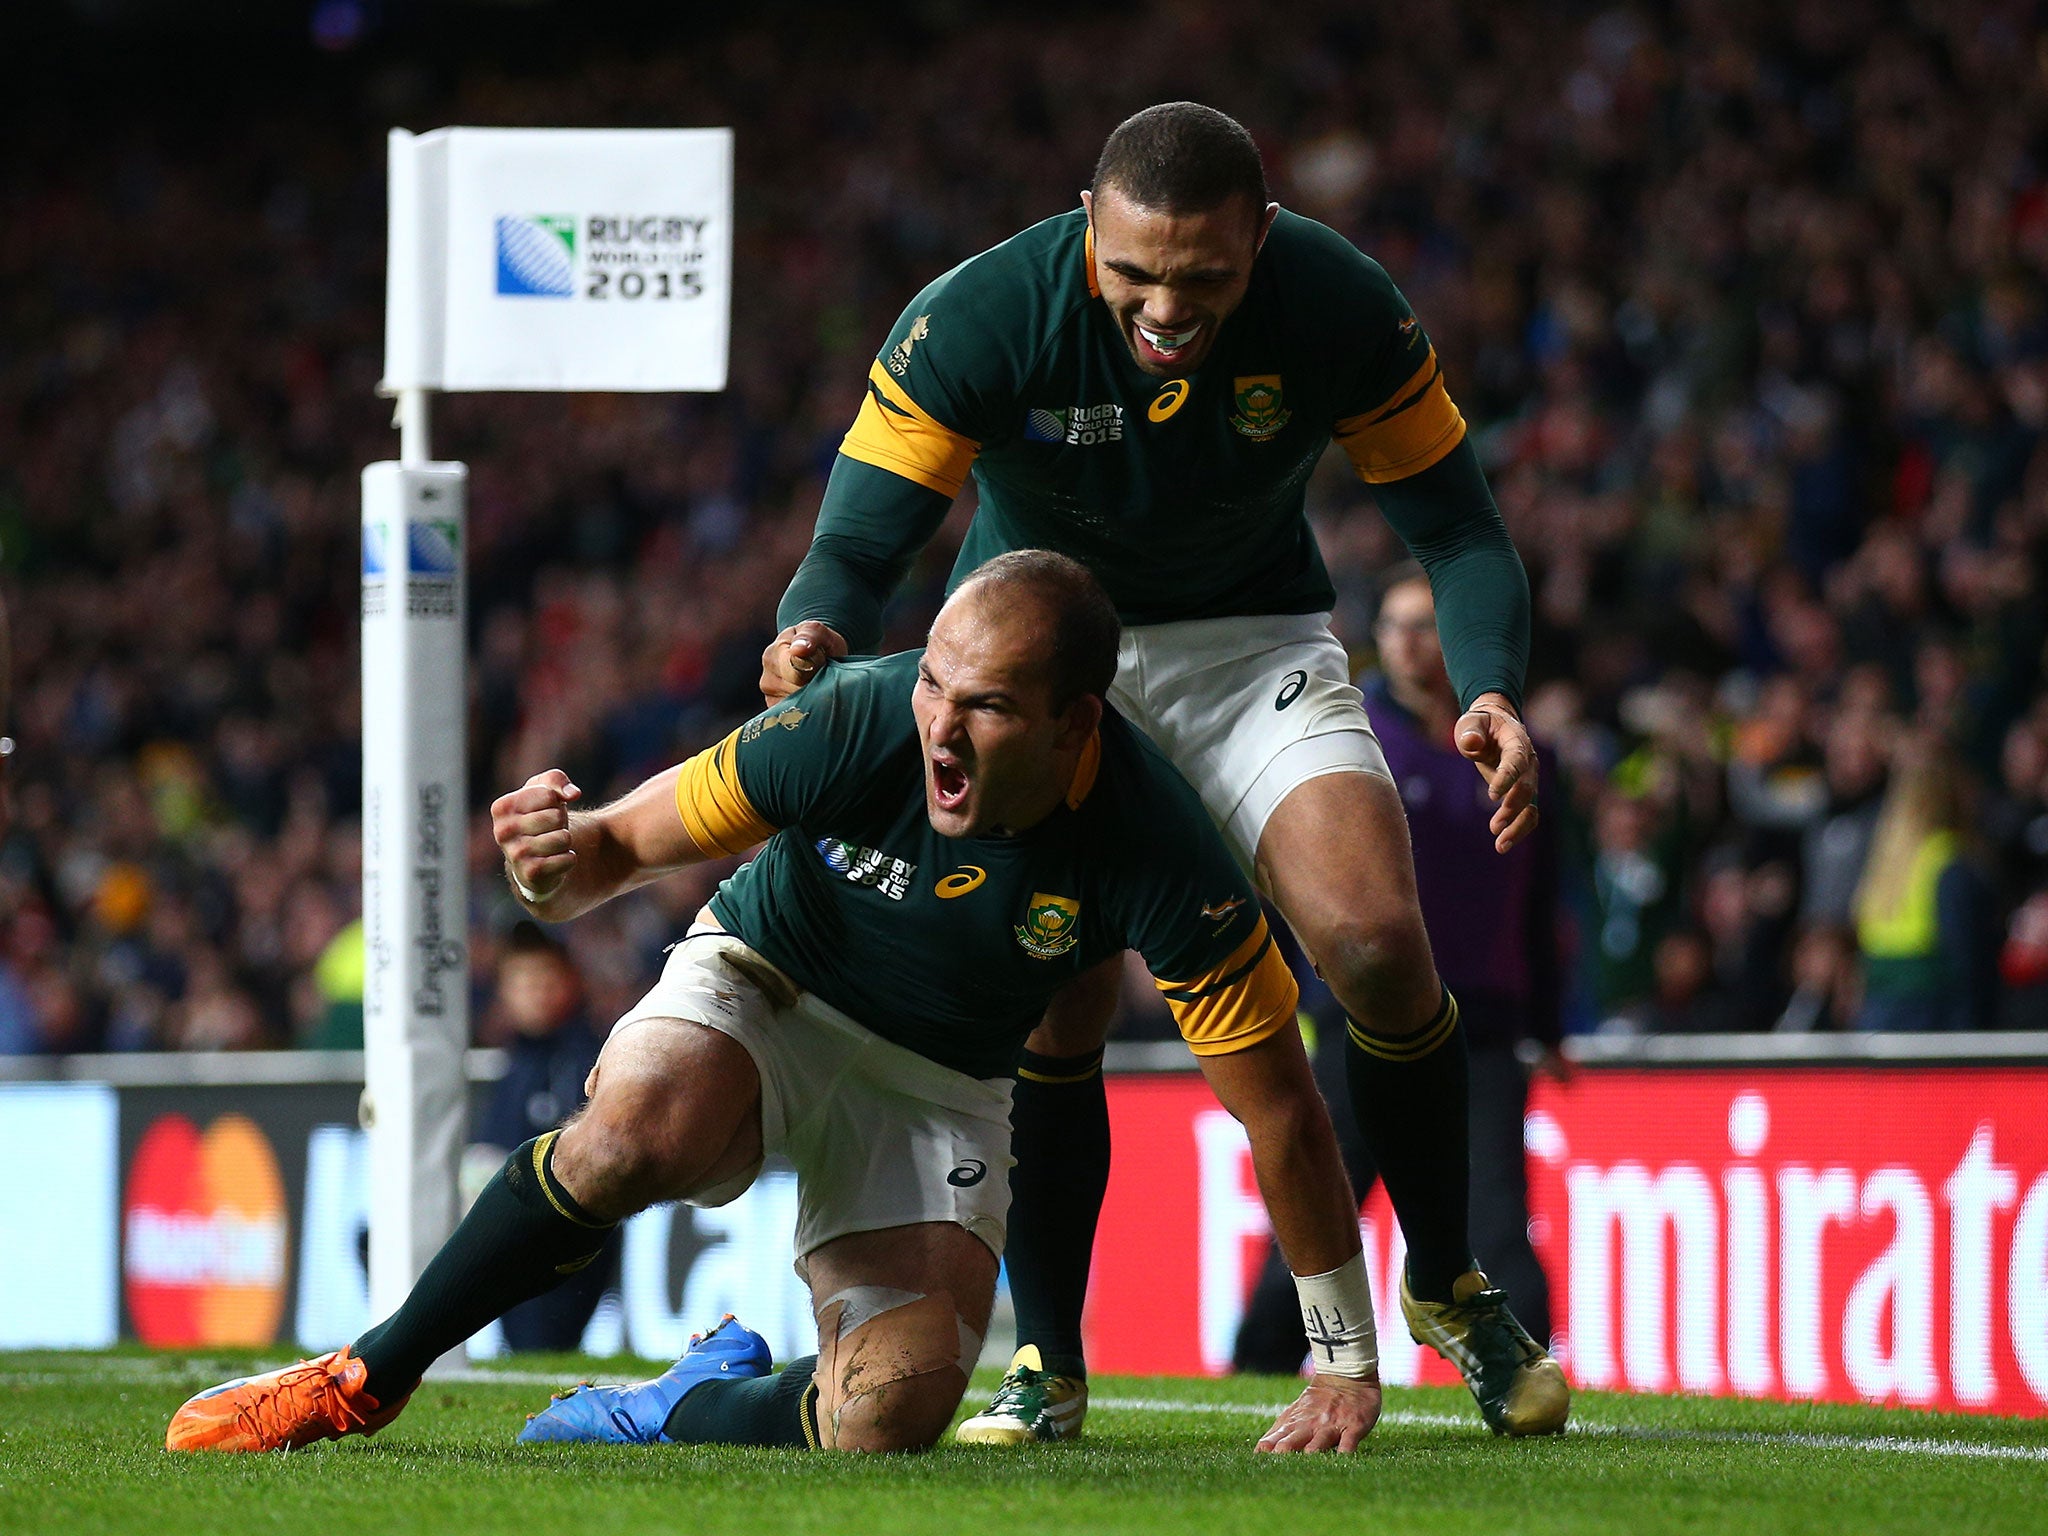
(524, 1236)
(1409, 1094)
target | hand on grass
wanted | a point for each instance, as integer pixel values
(1333, 1413)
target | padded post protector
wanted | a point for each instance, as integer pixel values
(870, 1338)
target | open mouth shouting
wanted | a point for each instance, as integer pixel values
(949, 782)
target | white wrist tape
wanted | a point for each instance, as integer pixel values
(531, 898)
(1336, 1314)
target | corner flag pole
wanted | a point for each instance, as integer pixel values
(415, 840)
(517, 259)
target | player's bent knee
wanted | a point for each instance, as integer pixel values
(610, 1174)
(1382, 970)
(892, 1365)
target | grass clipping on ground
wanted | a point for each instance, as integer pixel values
(81, 1441)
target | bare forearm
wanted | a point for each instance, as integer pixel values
(1302, 1180)
(604, 868)
(1294, 1151)
(561, 863)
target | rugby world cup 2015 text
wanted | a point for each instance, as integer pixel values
(646, 256)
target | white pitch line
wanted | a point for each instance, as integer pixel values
(1402, 1418)
(1412, 1419)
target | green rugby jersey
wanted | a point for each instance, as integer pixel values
(1185, 497)
(952, 947)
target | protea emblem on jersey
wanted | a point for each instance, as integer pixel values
(1261, 409)
(1051, 926)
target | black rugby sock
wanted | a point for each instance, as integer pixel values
(1060, 1122)
(525, 1235)
(766, 1410)
(1409, 1095)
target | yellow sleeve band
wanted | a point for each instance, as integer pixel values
(1411, 431)
(1249, 998)
(895, 433)
(715, 810)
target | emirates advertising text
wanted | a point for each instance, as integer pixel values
(1869, 1234)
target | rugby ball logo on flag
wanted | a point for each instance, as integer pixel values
(537, 256)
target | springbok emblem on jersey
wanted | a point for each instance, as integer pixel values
(1261, 409)
(1051, 926)
(899, 359)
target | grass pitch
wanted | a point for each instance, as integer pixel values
(81, 1437)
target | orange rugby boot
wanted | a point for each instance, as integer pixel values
(321, 1399)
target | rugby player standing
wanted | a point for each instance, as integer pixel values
(951, 836)
(1146, 384)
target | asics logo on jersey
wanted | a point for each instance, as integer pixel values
(968, 1174)
(967, 878)
(1170, 400)
(1291, 689)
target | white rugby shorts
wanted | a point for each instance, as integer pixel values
(1249, 709)
(879, 1135)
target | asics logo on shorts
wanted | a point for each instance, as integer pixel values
(1291, 689)
(968, 1174)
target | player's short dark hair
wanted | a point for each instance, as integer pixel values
(1182, 157)
(1085, 629)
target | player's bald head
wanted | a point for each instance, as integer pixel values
(1053, 609)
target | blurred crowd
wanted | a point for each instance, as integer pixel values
(1747, 304)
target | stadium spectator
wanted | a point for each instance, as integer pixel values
(1922, 908)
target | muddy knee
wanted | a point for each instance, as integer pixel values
(892, 1365)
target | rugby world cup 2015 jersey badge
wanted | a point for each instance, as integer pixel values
(1261, 409)
(1051, 926)
(867, 866)
(1078, 426)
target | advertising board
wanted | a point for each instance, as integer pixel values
(1877, 1233)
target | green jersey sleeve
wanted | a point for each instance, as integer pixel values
(1190, 911)
(947, 379)
(788, 762)
(1447, 518)
(1405, 437)
(1390, 411)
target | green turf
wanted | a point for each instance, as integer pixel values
(80, 1438)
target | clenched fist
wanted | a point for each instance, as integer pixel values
(532, 826)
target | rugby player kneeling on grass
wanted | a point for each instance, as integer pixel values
(952, 836)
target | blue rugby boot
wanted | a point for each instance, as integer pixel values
(635, 1414)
